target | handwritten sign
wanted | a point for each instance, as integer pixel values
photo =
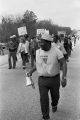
(22, 30)
(40, 31)
(61, 32)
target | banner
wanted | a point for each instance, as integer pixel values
(22, 30)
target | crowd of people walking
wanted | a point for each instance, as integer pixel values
(27, 48)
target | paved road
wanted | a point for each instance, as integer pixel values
(18, 102)
(4, 59)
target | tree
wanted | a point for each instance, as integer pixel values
(7, 28)
(29, 18)
(10, 24)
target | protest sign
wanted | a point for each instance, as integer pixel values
(22, 31)
(62, 32)
(40, 31)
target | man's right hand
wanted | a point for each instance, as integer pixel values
(64, 83)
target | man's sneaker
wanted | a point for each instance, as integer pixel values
(54, 109)
(10, 68)
(14, 67)
(24, 67)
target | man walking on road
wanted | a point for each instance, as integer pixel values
(48, 60)
(12, 47)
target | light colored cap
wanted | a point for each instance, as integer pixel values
(13, 36)
(47, 37)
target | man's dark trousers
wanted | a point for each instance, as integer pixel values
(13, 55)
(46, 84)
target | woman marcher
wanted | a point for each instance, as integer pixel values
(59, 43)
(23, 49)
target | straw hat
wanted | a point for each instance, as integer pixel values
(47, 37)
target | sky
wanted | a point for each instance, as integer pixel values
(61, 12)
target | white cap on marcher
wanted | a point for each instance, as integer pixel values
(13, 36)
(47, 37)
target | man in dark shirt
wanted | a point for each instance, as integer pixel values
(12, 47)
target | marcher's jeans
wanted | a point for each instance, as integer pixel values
(32, 60)
(13, 55)
(46, 84)
(24, 57)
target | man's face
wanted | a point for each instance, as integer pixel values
(44, 44)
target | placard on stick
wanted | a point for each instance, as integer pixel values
(22, 30)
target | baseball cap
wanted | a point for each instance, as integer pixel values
(47, 37)
(13, 36)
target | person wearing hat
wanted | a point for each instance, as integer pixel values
(48, 60)
(12, 47)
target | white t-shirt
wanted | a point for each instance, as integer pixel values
(24, 47)
(21, 47)
(47, 61)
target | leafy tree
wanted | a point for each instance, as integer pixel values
(7, 28)
(11, 23)
(29, 18)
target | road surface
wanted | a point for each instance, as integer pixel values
(18, 102)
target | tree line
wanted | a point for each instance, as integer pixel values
(10, 25)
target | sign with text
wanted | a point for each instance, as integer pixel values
(22, 30)
(40, 31)
(61, 32)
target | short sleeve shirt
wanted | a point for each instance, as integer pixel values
(47, 61)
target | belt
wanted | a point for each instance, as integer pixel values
(49, 76)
